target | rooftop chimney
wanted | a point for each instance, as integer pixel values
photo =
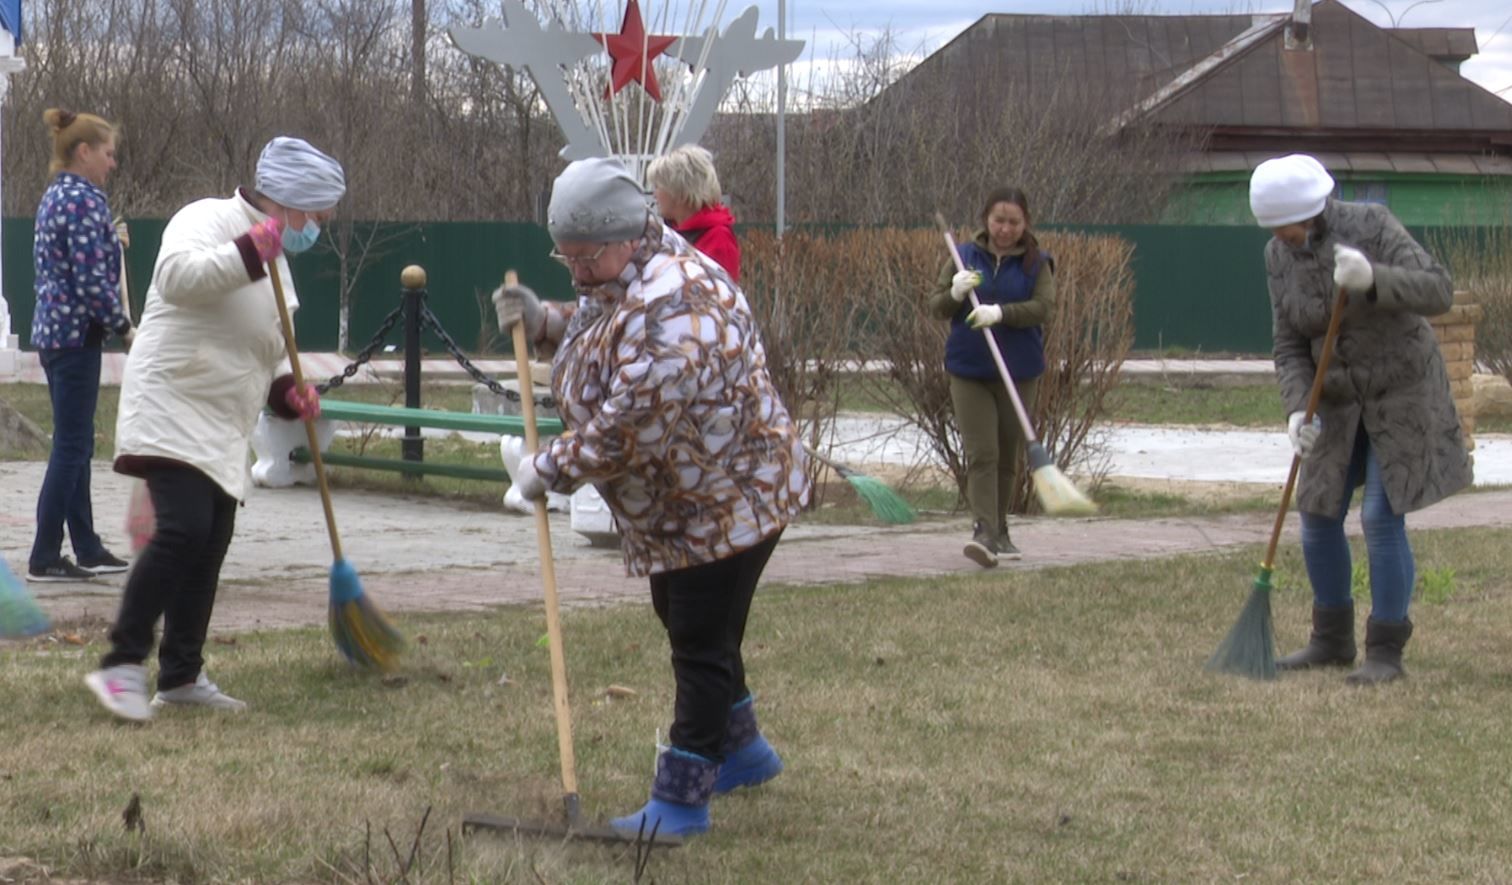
(1299, 29)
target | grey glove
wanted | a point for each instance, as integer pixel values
(516, 304)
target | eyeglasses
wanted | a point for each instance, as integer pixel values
(570, 261)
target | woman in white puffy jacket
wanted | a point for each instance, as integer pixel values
(209, 355)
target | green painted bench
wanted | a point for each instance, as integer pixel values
(366, 413)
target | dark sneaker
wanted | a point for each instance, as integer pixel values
(980, 549)
(1004, 548)
(106, 563)
(62, 571)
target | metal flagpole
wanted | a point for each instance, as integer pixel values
(781, 121)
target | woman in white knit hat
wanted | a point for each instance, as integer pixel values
(1386, 419)
(208, 357)
(671, 414)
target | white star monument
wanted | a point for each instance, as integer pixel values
(582, 74)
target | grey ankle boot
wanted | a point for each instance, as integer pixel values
(1003, 546)
(1332, 643)
(1383, 653)
(982, 548)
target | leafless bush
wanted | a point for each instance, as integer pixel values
(886, 274)
(802, 290)
(1086, 342)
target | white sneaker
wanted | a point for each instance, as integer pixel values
(199, 693)
(122, 690)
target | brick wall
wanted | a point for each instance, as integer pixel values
(1456, 336)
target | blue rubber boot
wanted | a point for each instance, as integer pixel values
(749, 760)
(679, 804)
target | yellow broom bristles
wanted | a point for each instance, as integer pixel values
(1059, 495)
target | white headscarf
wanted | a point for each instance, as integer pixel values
(293, 173)
(1289, 189)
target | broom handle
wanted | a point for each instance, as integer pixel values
(829, 462)
(315, 458)
(997, 355)
(1324, 358)
(125, 289)
(548, 573)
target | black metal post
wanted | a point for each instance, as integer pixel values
(413, 279)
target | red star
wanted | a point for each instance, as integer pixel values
(633, 52)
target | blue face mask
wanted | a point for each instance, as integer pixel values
(295, 241)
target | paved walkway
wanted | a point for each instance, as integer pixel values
(421, 554)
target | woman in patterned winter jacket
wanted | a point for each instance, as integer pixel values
(1386, 420)
(78, 261)
(662, 384)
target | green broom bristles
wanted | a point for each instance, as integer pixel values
(1250, 647)
(20, 616)
(885, 503)
(1057, 493)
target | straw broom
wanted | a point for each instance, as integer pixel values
(1056, 492)
(1250, 647)
(361, 632)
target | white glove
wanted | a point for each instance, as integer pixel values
(1304, 437)
(517, 303)
(1352, 271)
(984, 316)
(964, 281)
(530, 484)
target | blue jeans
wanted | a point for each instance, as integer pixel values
(1392, 570)
(73, 381)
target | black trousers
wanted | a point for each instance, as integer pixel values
(704, 609)
(176, 576)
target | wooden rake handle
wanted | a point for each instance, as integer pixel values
(548, 573)
(1324, 358)
(315, 458)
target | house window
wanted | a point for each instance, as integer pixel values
(1370, 192)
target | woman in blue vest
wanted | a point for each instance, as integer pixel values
(1015, 283)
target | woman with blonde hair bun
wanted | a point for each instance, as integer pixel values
(78, 267)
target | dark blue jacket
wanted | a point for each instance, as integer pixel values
(78, 267)
(1007, 282)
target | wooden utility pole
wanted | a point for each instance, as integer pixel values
(417, 51)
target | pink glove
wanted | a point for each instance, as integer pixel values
(304, 402)
(267, 237)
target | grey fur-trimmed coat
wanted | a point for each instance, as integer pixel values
(1387, 374)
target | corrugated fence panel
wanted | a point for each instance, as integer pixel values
(464, 263)
(1199, 288)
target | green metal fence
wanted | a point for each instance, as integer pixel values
(463, 260)
(1199, 289)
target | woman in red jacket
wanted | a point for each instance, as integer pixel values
(687, 195)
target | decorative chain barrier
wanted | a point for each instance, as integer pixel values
(366, 353)
(428, 321)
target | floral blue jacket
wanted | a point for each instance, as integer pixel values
(78, 261)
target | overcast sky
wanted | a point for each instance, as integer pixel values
(921, 26)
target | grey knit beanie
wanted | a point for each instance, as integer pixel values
(597, 201)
